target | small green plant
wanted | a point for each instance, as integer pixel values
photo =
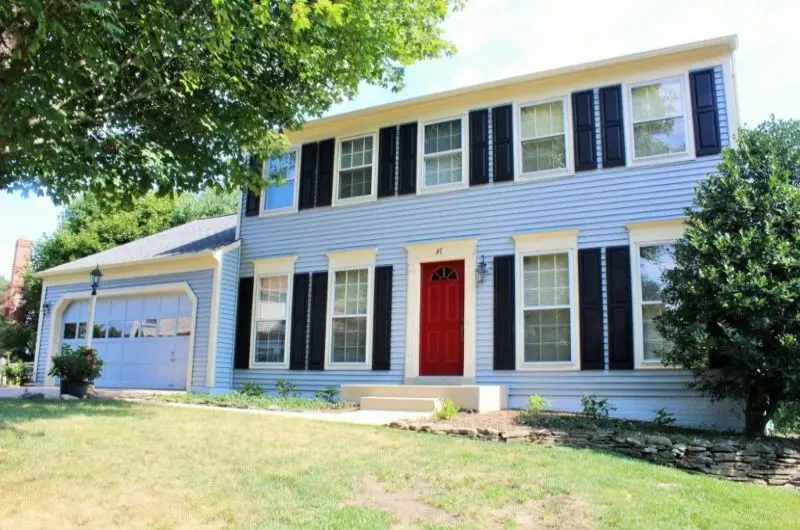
(664, 417)
(329, 394)
(448, 410)
(595, 407)
(286, 388)
(79, 365)
(787, 418)
(250, 388)
(15, 373)
(536, 404)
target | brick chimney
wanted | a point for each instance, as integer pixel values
(22, 258)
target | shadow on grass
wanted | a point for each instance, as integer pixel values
(17, 411)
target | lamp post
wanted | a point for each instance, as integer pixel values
(95, 275)
(480, 271)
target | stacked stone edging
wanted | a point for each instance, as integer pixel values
(761, 462)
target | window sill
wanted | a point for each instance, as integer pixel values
(548, 366)
(268, 366)
(442, 188)
(354, 200)
(661, 159)
(347, 366)
(275, 213)
(544, 175)
(652, 365)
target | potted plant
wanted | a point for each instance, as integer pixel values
(76, 369)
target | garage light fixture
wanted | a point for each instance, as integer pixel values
(95, 275)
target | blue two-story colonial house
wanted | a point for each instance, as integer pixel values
(485, 244)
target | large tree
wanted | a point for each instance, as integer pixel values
(733, 298)
(123, 97)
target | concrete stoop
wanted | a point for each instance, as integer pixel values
(410, 404)
(427, 398)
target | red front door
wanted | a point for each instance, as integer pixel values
(441, 344)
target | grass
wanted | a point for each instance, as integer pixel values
(245, 401)
(102, 464)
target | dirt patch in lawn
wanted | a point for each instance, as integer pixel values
(560, 512)
(501, 420)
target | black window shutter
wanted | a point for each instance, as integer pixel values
(408, 158)
(479, 147)
(297, 356)
(244, 314)
(387, 157)
(308, 175)
(612, 127)
(382, 319)
(325, 172)
(319, 310)
(591, 313)
(620, 312)
(583, 127)
(504, 316)
(705, 112)
(503, 142)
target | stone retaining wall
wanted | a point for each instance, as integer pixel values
(769, 463)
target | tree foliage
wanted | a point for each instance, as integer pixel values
(733, 298)
(123, 97)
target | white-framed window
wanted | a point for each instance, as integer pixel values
(443, 161)
(659, 119)
(282, 173)
(547, 319)
(356, 169)
(272, 307)
(544, 138)
(350, 302)
(652, 253)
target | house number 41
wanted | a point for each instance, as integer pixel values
(439, 251)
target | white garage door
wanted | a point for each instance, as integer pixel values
(143, 341)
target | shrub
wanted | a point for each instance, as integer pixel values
(448, 411)
(595, 407)
(536, 404)
(15, 373)
(286, 388)
(787, 418)
(329, 394)
(252, 389)
(664, 417)
(76, 365)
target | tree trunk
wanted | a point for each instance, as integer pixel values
(755, 417)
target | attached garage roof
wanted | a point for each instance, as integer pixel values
(203, 235)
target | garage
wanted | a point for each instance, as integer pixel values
(144, 341)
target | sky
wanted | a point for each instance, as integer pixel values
(503, 38)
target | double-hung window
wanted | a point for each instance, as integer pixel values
(356, 169)
(654, 260)
(443, 154)
(658, 119)
(281, 174)
(543, 138)
(271, 317)
(350, 280)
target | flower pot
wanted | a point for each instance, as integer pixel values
(76, 388)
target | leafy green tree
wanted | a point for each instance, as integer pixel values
(733, 298)
(123, 97)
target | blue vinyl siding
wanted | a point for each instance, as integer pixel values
(199, 281)
(226, 325)
(598, 203)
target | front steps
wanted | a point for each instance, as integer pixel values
(423, 398)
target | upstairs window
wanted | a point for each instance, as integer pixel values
(357, 168)
(654, 260)
(543, 138)
(281, 173)
(658, 119)
(443, 154)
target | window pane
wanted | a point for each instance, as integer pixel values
(349, 343)
(653, 262)
(355, 183)
(280, 196)
(543, 155)
(661, 137)
(132, 329)
(545, 119)
(356, 153)
(443, 169)
(166, 327)
(98, 330)
(82, 330)
(184, 327)
(282, 168)
(659, 100)
(653, 342)
(350, 292)
(444, 136)
(149, 327)
(270, 341)
(70, 330)
(272, 298)
(115, 328)
(547, 335)
(546, 280)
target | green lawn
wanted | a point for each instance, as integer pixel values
(115, 464)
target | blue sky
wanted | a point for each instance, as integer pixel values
(503, 38)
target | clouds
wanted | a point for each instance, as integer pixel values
(503, 38)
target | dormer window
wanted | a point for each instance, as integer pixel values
(443, 154)
(658, 119)
(356, 169)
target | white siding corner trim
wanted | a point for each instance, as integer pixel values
(215, 302)
(642, 234)
(537, 243)
(282, 266)
(462, 249)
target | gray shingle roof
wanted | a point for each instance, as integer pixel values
(190, 238)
